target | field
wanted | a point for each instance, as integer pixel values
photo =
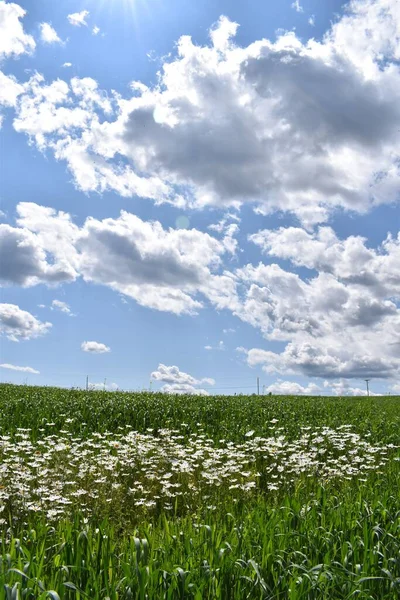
(147, 496)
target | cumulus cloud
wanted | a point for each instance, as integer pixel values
(343, 388)
(343, 320)
(179, 382)
(13, 39)
(49, 35)
(109, 387)
(358, 283)
(41, 113)
(306, 127)
(292, 388)
(161, 269)
(61, 306)
(229, 231)
(321, 359)
(350, 260)
(95, 30)
(177, 388)
(67, 64)
(17, 368)
(10, 89)
(24, 260)
(79, 18)
(164, 269)
(95, 347)
(17, 324)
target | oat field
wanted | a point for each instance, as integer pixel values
(145, 496)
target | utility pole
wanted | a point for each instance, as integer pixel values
(258, 386)
(87, 382)
(367, 382)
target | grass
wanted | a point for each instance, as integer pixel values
(222, 416)
(114, 495)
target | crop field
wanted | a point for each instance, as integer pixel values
(112, 495)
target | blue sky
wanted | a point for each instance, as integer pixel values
(231, 215)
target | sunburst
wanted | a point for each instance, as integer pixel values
(127, 12)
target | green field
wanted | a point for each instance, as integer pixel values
(117, 495)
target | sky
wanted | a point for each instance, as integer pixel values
(195, 195)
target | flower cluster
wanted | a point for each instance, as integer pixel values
(168, 470)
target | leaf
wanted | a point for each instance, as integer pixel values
(70, 586)
(13, 570)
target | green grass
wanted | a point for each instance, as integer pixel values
(221, 416)
(310, 536)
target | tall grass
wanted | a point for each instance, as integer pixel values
(226, 417)
(328, 528)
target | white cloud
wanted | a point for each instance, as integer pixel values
(219, 346)
(342, 321)
(338, 388)
(41, 113)
(158, 268)
(229, 229)
(177, 388)
(23, 369)
(49, 35)
(110, 387)
(343, 388)
(10, 89)
(161, 269)
(349, 260)
(61, 306)
(292, 388)
(25, 262)
(67, 64)
(17, 324)
(321, 359)
(297, 6)
(225, 222)
(179, 382)
(79, 18)
(95, 347)
(95, 30)
(368, 36)
(229, 330)
(311, 21)
(281, 134)
(13, 39)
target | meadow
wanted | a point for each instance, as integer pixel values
(112, 495)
